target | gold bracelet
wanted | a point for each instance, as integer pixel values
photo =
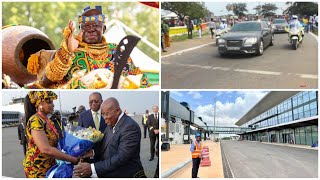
(56, 69)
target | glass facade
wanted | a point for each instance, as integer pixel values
(302, 105)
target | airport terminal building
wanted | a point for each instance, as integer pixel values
(283, 117)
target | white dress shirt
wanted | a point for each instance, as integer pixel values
(93, 169)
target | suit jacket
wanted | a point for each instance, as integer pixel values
(22, 134)
(153, 124)
(86, 120)
(119, 153)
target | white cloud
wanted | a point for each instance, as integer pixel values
(228, 113)
(177, 93)
(195, 94)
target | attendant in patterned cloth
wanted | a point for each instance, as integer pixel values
(88, 51)
(42, 135)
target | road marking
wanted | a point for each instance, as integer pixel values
(186, 50)
(258, 72)
(315, 36)
(308, 76)
(304, 76)
(225, 155)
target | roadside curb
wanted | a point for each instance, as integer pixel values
(175, 169)
(316, 149)
(186, 50)
(313, 35)
(284, 145)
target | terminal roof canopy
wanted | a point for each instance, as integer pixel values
(267, 102)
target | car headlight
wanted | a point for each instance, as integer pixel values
(273, 26)
(251, 41)
(221, 41)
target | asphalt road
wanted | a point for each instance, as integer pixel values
(12, 154)
(280, 67)
(258, 160)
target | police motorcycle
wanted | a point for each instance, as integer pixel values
(295, 35)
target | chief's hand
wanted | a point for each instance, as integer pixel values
(73, 43)
(156, 131)
(82, 170)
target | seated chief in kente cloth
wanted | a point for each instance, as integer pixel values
(87, 53)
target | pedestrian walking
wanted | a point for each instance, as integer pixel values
(190, 28)
(212, 27)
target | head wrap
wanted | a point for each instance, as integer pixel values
(94, 18)
(36, 97)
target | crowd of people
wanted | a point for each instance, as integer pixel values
(116, 155)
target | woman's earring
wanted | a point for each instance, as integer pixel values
(40, 108)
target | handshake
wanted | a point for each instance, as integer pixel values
(83, 169)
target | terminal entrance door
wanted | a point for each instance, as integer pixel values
(287, 138)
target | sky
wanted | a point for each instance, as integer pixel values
(137, 101)
(219, 8)
(230, 105)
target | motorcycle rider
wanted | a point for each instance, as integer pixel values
(223, 26)
(296, 23)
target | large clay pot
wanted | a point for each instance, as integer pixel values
(18, 43)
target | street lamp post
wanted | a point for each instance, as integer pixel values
(214, 119)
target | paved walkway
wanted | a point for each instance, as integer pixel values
(181, 153)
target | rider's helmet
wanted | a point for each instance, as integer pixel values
(294, 17)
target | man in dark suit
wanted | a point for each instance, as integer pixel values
(145, 123)
(92, 117)
(153, 126)
(22, 136)
(119, 153)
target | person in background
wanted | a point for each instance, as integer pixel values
(56, 118)
(190, 28)
(145, 123)
(22, 136)
(166, 33)
(212, 27)
(153, 125)
(196, 153)
(93, 117)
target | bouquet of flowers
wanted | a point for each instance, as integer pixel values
(76, 141)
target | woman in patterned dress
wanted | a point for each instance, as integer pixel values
(42, 135)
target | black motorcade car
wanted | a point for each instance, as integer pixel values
(279, 25)
(249, 37)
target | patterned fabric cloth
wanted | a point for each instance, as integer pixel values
(83, 61)
(36, 97)
(36, 164)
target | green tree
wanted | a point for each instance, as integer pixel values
(268, 9)
(183, 9)
(302, 8)
(52, 17)
(238, 9)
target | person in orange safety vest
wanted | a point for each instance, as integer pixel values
(196, 152)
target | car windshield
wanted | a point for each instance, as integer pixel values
(279, 21)
(246, 27)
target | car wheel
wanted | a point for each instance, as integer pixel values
(260, 49)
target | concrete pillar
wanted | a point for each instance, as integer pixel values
(268, 136)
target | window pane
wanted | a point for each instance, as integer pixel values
(308, 135)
